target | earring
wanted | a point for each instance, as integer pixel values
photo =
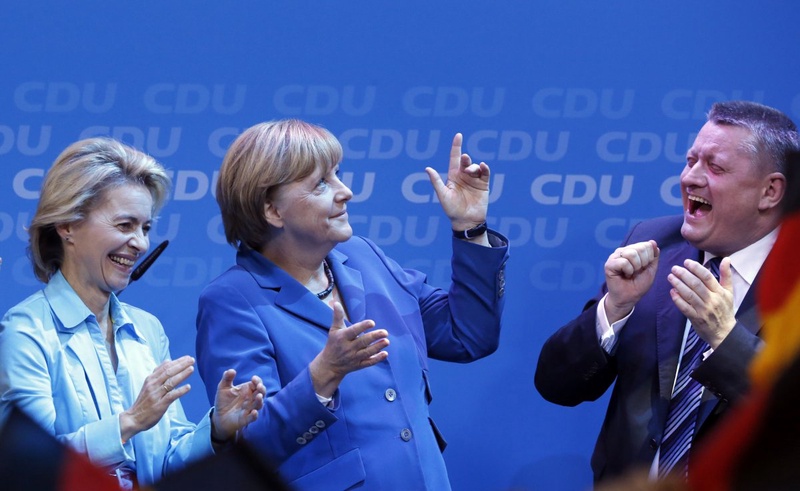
(67, 239)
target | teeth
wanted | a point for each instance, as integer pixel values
(122, 261)
(699, 200)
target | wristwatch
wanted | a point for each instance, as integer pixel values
(470, 233)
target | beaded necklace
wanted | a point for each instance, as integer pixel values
(324, 293)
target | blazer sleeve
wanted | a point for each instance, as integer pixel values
(233, 333)
(725, 371)
(572, 366)
(461, 324)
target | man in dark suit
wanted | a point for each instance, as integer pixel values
(657, 290)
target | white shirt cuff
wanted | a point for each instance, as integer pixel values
(607, 333)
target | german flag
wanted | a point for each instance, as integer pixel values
(756, 447)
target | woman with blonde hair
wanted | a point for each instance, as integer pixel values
(92, 370)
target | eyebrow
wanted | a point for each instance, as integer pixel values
(131, 218)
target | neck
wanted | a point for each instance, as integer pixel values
(96, 301)
(302, 267)
(310, 270)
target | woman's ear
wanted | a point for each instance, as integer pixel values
(64, 230)
(272, 215)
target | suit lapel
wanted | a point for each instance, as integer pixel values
(747, 315)
(748, 311)
(350, 285)
(669, 320)
(295, 298)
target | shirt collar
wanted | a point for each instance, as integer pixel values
(72, 312)
(747, 262)
(66, 304)
(121, 320)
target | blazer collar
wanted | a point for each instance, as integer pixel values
(350, 284)
(748, 316)
(293, 297)
(748, 310)
(669, 319)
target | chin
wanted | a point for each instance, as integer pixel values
(119, 285)
(345, 233)
(691, 234)
(702, 243)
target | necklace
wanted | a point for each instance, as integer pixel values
(324, 293)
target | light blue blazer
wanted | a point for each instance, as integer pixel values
(379, 434)
(55, 367)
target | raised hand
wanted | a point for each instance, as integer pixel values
(629, 271)
(465, 197)
(348, 349)
(160, 389)
(706, 302)
(236, 406)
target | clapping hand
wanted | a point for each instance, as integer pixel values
(348, 349)
(160, 389)
(236, 406)
(706, 302)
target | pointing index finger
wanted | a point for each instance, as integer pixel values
(455, 152)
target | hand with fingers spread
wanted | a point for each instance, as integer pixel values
(348, 349)
(160, 389)
(630, 271)
(706, 302)
(236, 406)
(465, 197)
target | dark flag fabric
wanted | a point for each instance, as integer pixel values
(33, 460)
(238, 467)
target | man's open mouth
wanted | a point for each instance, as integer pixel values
(697, 203)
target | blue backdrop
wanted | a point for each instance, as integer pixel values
(583, 109)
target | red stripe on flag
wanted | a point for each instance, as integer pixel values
(78, 474)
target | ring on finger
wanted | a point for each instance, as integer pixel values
(167, 387)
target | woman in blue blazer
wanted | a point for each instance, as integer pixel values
(340, 333)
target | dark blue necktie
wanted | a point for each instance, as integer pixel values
(685, 403)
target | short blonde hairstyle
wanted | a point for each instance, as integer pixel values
(76, 183)
(262, 157)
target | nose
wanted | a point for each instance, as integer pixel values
(343, 193)
(139, 240)
(693, 175)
